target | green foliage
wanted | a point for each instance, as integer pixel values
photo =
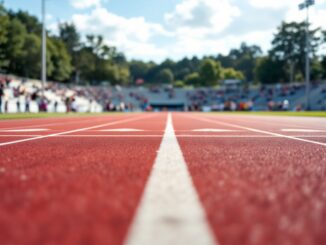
(269, 71)
(230, 73)
(67, 57)
(210, 72)
(243, 59)
(30, 22)
(70, 37)
(289, 45)
(30, 60)
(193, 79)
(316, 70)
(323, 65)
(4, 24)
(139, 69)
(179, 84)
(165, 76)
(60, 60)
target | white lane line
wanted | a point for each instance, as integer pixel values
(20, 135)
(170, 211)
(213, 130)
(300, 130)
(122, 130)
(74, 131)
(24, 130)
(54, 123)
(258, 130)
(110, 136)
(267, 120)
(157, 135)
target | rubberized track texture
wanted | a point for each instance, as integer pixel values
(180, 178)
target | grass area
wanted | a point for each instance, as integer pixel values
(280, 113)
(48, 115)
(255, 113)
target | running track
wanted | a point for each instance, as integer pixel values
(164, 178)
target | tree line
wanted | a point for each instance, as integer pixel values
(73, 59)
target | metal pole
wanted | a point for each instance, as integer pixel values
(43, 48)
(307, 63)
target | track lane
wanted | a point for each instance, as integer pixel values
(257, 127)
(43, 122)
(275, 124)
(64, 130)
(72, 190)
(258, 190)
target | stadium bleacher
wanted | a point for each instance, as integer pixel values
(25, 95)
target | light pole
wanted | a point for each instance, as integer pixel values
(305, 5)
(43, 47)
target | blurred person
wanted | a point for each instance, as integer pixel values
(27, 103)
(233, 106)
(90, 104)
(285, 105)
(1, 95)
(55, 106)
(43, 105)
(68, 104)
(18, 105)
(250, 105)
(122, 106)
(74, 107)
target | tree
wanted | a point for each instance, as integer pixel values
(245, 59)
(60, 59)
(4, 24)
(269, 71)
(289, 46)
(193, 79)
(210, 72)
(71, 38)
(165, 76)
(323, 64)
(30, 60)
(30, 22)
(139, 69)
(230, 73)
(14, 48)
(316, 70)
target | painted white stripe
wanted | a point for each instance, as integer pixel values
(157, 135)
(25, 130)
(19, 135)
(258, 130)
(122, 130)
(213, 130)
(74, 131)
(300, 130)
(76, 120)
(170, 211)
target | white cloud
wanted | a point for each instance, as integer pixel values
(82, 4)
(130, 35)
(279, 4)
(193, 27)
(274, 4)
(317, 17)
(194, 24)
(202, 17)
(203, 46)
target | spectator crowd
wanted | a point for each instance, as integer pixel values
(22, 95)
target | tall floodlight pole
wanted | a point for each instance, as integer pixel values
(305, 5)
(43, 47)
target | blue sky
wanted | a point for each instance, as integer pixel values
(160, 29)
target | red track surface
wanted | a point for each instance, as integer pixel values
(84, 187)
